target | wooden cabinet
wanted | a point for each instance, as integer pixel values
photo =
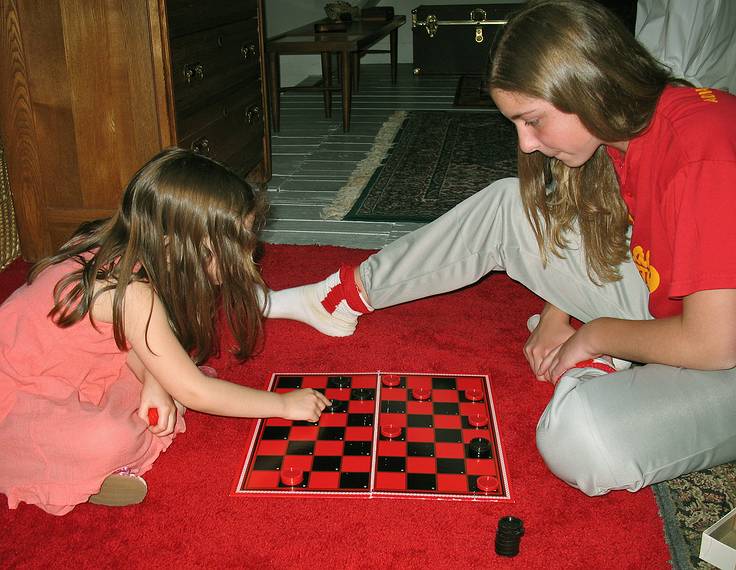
(92, 89)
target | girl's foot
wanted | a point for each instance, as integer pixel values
(120, 489)
(331, 306)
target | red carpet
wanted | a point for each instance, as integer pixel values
(189, 519)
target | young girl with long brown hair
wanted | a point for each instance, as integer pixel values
(622, 217)
(115, 324)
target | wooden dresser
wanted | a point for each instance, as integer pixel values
(92, 89)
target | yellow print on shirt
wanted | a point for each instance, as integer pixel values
(706, 94)
(648, 273)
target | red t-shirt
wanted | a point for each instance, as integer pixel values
(678, 179)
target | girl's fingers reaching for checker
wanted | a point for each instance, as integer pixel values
(306, 404)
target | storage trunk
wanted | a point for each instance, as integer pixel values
(456, 39)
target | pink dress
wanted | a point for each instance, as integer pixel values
(68, 404)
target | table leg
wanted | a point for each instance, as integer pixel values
(275, 80)
(356, 71)
(346, 85)
(327, 82)
(394, 43)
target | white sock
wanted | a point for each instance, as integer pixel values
(305, 304)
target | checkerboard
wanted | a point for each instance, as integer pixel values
(387, 434)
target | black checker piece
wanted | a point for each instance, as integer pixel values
(397, 464)
(268, 462)
(421, 481)
(420, 449)
(331, 433)
(446, 408)
(300, 448)
(363, 420)
(393, 407)
(326, 463)
(276, 432)
(444, 384)
(446, 465)
(354, 480)
(446, 435)
(289, 382)
(339, 381)
(420, 420)
(357, 448)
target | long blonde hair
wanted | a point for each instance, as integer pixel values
(179, 212)
(579, 57)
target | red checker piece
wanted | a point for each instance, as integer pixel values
(390, 430)
(390, 380)
(488, 483)
(292, 476)
(478, 420)
(474, 394)
(421, 394)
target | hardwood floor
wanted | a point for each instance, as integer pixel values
(313, 158)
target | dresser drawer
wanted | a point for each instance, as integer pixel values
(236, 139)
(193, 119)
(207, 63)
(189, 16)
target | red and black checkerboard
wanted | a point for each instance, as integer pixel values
(386, 434)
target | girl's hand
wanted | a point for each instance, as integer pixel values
(576, 349)
(154, 396)
(545, 341)
(305, 404)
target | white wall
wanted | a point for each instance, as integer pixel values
(282, 15)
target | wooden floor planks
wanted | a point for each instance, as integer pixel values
(313, 157)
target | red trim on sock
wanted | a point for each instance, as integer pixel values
(350, 289)
(333, 298)
(593, 364)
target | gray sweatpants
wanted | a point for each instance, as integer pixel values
(599, 432)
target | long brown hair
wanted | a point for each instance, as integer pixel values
(579, 57)
(180, 211)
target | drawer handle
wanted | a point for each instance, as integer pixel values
(201, 146)
(248, 50)
(193, 71)
(253, 114)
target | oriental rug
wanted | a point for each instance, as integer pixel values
(425, 162)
